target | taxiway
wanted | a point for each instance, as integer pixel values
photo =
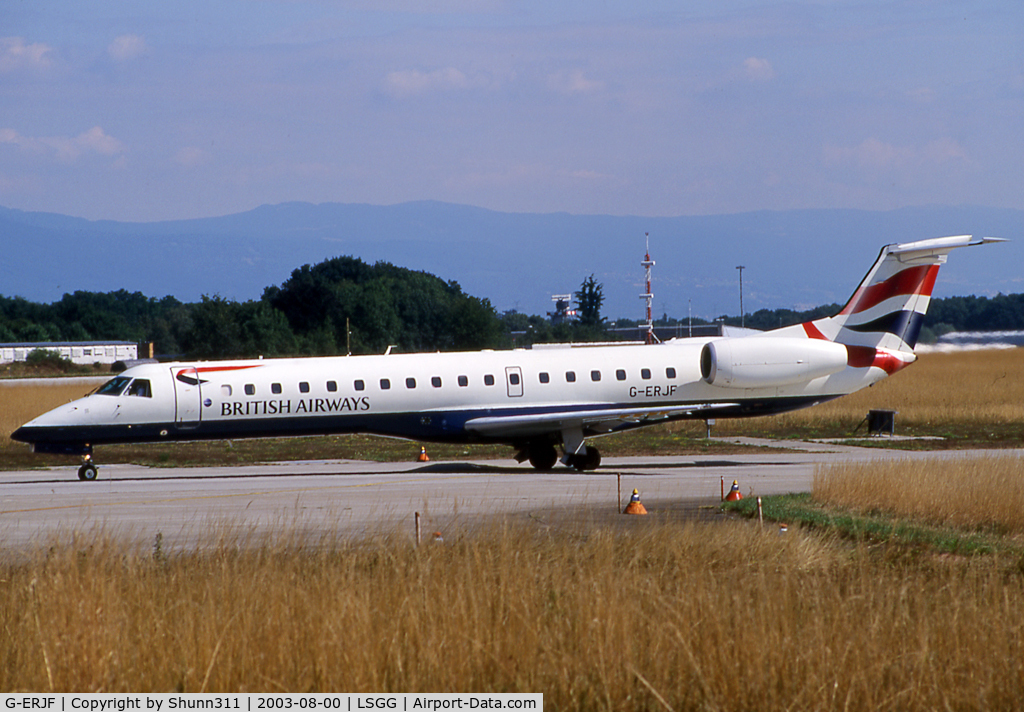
(205, 505)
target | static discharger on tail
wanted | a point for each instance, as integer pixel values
(544, 402)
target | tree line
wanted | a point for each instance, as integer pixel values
(344, 305)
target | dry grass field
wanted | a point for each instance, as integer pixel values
(978, 494)
(651, 617)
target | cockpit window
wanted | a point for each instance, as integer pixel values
(113, 387)
(140, 387)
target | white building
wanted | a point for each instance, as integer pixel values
(81, 352)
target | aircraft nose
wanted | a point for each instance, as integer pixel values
(48, 426)
(23, 435)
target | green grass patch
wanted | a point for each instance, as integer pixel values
(800, 509)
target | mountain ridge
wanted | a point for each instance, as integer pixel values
(792, 258)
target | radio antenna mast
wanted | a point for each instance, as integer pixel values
(648, 296)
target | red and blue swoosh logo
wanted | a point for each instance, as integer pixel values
(193, 374)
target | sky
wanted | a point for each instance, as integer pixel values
(145, 111)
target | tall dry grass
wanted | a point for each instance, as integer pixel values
(700, 617)
(985, 493)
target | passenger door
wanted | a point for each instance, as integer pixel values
(187, 396)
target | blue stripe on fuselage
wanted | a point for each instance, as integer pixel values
(430, 426)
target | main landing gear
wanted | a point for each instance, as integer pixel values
(87, 472)
(589, 459)
(544, 457)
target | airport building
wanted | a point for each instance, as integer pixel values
(85, 353)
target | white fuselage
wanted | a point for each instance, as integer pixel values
(433, 397)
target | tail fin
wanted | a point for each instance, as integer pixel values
(887, 309)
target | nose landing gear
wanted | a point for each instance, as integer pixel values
(87, 472)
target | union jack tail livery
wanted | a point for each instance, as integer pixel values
(881, 322)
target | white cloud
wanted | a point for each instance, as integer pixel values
(758, 70)
(98, 142)
(190, 156)
(127, 47)
(587, 174)
(94, 141)
(412, 82)
(944, 150)
(873, 153)
(15, 54)
(573, 82)
(923, 95)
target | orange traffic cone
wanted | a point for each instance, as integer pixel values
(734, 493)
(635, 506)
(423, 455)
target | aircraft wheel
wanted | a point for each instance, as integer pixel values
(87, 472)
(589, 460)
(543, 457)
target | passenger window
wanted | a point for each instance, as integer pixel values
(410, 383)
(513, 379)
(250, 389)
(303, 387)
(225, 390)
(385, 384)
(544, 377)
(275, 388)
(488, 380)
(670, 372)
(435, 381)
(140, 387)
(645, 373)
(620, 375)
(332, 386)
(595, 376)
(570, 377)
(359, 385)
(463, 381)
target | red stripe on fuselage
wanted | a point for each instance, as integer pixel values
(913, 280)
(190, 375)
(213, 369)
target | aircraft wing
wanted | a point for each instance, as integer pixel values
(599, 420)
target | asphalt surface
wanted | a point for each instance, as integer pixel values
(196, 507)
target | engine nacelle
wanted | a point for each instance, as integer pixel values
(766, 362)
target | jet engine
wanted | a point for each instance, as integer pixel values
(755, 362)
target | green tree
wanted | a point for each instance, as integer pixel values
(383, 305)
(591, 326)
(222, 328)
(589, 300)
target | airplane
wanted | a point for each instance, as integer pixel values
(536, 400)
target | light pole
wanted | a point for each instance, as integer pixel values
(742, 319)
